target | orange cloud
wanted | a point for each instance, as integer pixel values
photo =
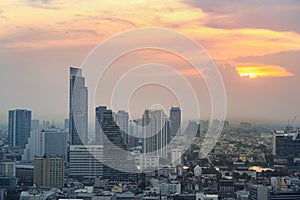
(262, 71)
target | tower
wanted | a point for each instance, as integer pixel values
(19, 126)
(78, 110)
(122, 119)
(175, 120)
(155, 131)
(99, 117)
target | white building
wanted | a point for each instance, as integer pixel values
(122, 120)
(85, 160)
(147, 162)
(52, 141)
(203, 196)
(155, 132)
(176, 158)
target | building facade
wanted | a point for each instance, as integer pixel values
(78, 108)
(19, 126)
(85, 161)
(155, 133)
(49, 171)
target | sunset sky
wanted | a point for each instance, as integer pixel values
(256, 45)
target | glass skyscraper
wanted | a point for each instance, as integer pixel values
(78, 111)
(19, 126)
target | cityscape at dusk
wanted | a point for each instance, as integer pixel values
(133, 99)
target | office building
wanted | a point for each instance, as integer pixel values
(85, 161)
(175, 121)
(116, 159)
(176, 156)
(155, 132)
(99, 117)
(49, 171)
(78, 110)
(258, 192)
(51, 141)
(19, 126)
(122, 120)
(35, 124)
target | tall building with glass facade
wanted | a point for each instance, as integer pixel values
(122, 119)
(19, 126)
(175, 121)
(115, 158)
(99, 117)
(156, 132)
(78, 110)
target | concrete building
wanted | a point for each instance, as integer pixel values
(176, 156)
(204, 196)
(258, 192)
(52, 141)
(85, 161)
(49, 171)
(7, 168)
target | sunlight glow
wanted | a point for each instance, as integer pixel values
(262, 71)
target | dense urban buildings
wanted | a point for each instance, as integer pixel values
(19, 126)
(78, 108)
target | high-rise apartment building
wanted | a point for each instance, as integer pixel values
(78, 110)
(156, 132)
(49, 171)
(19, 126)
(122, 120)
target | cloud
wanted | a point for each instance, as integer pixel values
(275, 15)
(290, 60)
(47, 37)
(261, 71)
(44, 4)
(118, 20)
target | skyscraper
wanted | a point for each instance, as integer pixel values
(175, 121)
(78, 111)
(155, 131)
(122, 119)
(99, 117)
(112, 153)
(19, 125)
